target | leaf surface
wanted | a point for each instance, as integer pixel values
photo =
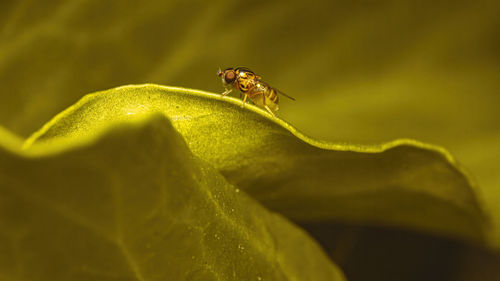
(404, 183)
(129, 201)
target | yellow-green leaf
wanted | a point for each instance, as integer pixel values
(129, 201)
(361, 73)
(403, 183)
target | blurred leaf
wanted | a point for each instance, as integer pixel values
(10, 141)
(404, 183)
(131, 202)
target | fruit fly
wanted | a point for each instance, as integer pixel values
(252, 86)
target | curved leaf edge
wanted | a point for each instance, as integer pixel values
(27, 148)
(374, 148)
(9, 141)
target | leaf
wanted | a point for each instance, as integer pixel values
(10, 141)
(130, 202)
(361, 73)
(403, 183)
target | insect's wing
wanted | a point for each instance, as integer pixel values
(281, 93)
(244, 69)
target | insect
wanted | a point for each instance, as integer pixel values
(252, 86)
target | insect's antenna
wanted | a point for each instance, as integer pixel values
(219, 72)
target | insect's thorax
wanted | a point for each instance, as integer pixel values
(244, 85)
(245, 80)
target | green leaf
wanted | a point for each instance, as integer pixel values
(10, 141)
(403, 183)
(128, 201)
(361, 73)
(357, 76)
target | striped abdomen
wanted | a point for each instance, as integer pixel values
(263, 94)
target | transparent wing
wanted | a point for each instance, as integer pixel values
(281, 93)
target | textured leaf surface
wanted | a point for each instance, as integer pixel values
(403, 183)
(361, 73)
(132, 203)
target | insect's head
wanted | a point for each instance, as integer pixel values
(228, 75)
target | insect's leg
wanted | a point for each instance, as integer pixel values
(247, 94)
(227, 92)
(267, 107)
(244, 100)
(270, 111)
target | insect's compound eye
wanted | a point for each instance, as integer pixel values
(229, 76)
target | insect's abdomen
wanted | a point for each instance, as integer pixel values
(269, 103)
(272, 100)
(270, 93)
(270, 96)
